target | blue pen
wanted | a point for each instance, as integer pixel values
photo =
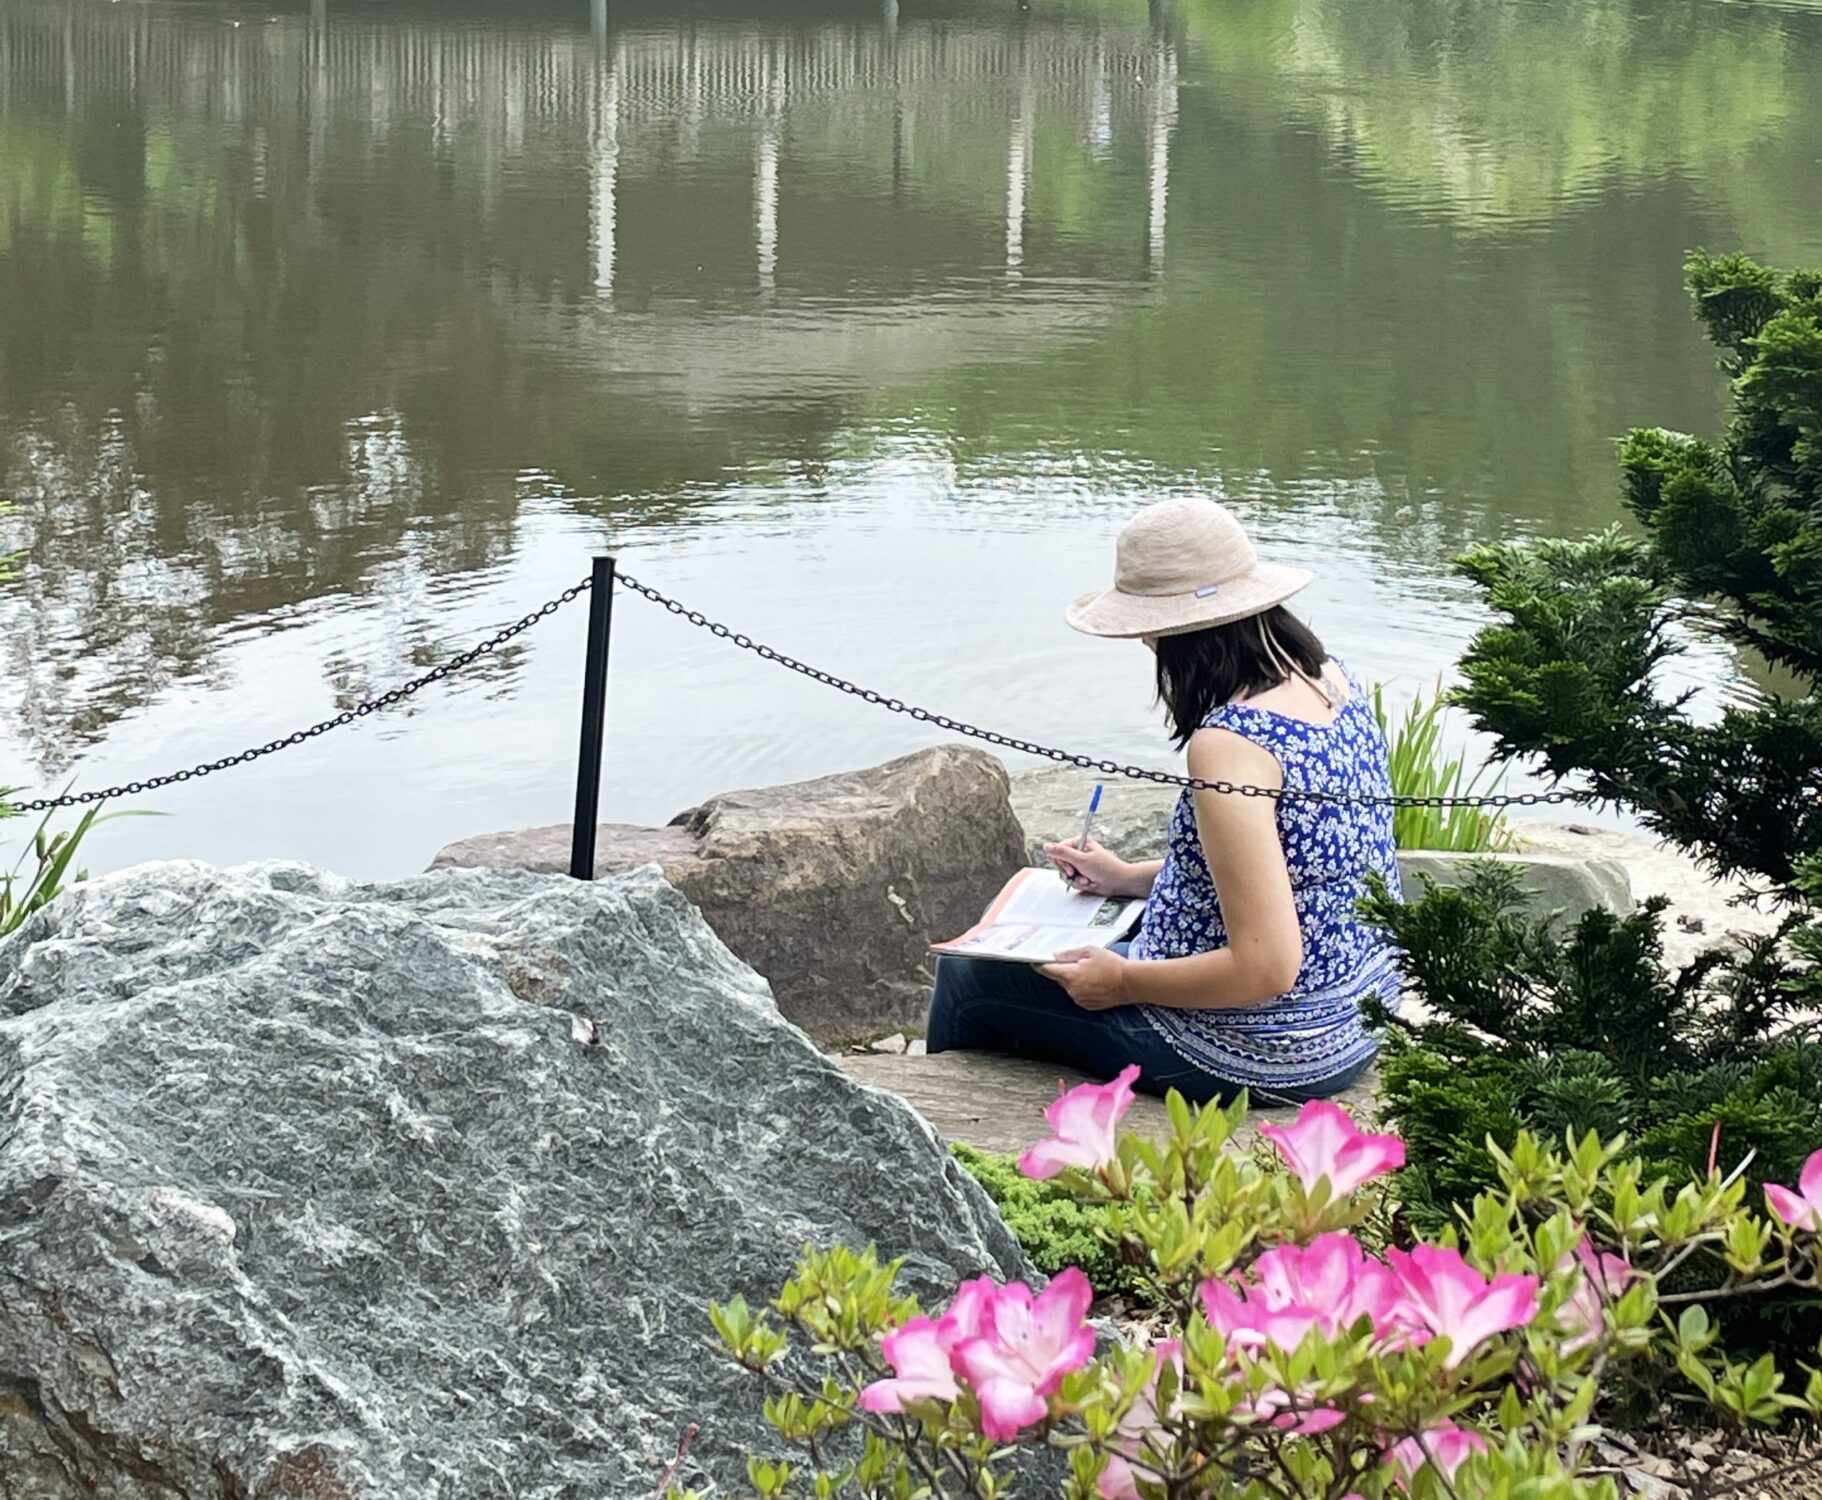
(1094, 803)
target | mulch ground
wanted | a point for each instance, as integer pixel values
(1709, 1466)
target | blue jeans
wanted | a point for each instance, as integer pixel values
(983, 1005)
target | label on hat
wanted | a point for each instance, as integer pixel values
(1207, 589)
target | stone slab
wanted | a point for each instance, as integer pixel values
(1703, 911)
(1567, 883)
(997, 1103)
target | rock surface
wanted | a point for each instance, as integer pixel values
(1567, 883)
(1131, 820)
(997, 1103)
(1703, 911)
(390, 1192)
(834, 888)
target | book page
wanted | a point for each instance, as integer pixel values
(1037, 916)
(1026, 943)
(1043, 898)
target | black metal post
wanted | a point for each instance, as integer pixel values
(594, 721)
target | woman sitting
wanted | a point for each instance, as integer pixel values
(1251, 963)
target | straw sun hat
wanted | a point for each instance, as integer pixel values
(1183, 565)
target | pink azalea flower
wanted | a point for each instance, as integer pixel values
(1334, 1277)
(1119, 1480)
(968, 1310)
(1803, 1208)
(919, 1357)
(1324, 1142)
(920, 1352)
(1247, 1321)
(1085, 1121)
(1329, 1284)
(1449, 1445)
(1024, 1348)
(1451, 1298)
(1275, 1407)
(1604, 1277)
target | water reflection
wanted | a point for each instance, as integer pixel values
(322, 323)
(1507, 115)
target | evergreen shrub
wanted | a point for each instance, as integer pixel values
(1549, 1026)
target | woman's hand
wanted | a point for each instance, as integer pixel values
(1094, 977)
(1092, 869)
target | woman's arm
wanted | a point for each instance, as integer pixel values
(1098, 871)
(1264, 952)
(1144, 875)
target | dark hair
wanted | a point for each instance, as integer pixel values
(1203, 669)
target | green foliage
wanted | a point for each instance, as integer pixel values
(1565, 675)
(1593, 1243)
(51, 857)
(1494, 975)
(1419, 769)
(1535, 1024)
(1733, 540)
(1532, 1023)
(1054, 1227)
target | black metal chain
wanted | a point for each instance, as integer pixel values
(766, 653)
(1065, 757)
(373, 705)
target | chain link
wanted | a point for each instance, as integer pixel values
(766, 653)
(1066, 757)
(372, 706)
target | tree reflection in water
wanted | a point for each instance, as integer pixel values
(323, 304)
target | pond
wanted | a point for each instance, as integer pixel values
(334, 335)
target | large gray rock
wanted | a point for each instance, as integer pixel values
(390, 1192)
(833, 889)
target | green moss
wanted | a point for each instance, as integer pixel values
(1055, 1230)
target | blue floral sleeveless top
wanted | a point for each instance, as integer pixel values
(1314, 1032)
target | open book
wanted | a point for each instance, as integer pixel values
(1037, 917)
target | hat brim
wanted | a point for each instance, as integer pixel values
(1108, 612)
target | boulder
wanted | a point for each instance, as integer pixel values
(834, 889)
(1135, 815)
(1566, 883)
(1132, 819)
(417, 1191)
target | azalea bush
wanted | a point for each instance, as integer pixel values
(1300, 1361)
